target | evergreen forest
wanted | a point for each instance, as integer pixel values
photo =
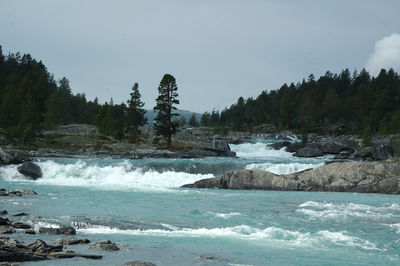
(345, 103)
(32, 100)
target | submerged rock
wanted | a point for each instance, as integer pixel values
(31, 170)
(364, 177)
(138, 263)
(105, 245)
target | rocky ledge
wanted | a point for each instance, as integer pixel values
(363, 177)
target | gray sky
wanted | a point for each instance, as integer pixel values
(218, 50)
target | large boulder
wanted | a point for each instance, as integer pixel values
(363, 177)
(31, 170)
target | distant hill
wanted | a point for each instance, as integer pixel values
(151, 114)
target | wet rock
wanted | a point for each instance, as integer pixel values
(279, 145)
(72, 254)
(12, 250)
(138, 263)
(20, 214)
(19, 225)
(105, 245)
(208, 258)
(28, 192)
(4, 221)
(3, 212)
(70, 241)
(30, 232)
(67, 230)
(6, 230)
(39, 246)
(15, 193)
(31, 170)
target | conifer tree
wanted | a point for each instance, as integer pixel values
(192, 121)
(167, 98)
(136, 112)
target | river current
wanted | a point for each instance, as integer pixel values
(138, 204)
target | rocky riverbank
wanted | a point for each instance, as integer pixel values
(14, 250)
(363, 177)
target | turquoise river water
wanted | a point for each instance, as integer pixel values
(138, 204)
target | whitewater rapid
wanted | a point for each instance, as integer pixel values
(160, 174)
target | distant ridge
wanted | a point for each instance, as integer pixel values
(151, 114)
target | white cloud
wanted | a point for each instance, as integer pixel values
(386, 55)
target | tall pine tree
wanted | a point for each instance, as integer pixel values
(136, 112)
(167, 98)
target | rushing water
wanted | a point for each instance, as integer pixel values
(138, 204)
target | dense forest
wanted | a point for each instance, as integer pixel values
(334, 104)
(32, 100)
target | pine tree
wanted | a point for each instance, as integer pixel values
(167, 98)
(136, 112)
(192, 121)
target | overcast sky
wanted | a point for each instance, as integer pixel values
(218, 50)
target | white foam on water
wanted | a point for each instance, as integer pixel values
(258, 150)
(328, 210)
(111, 177)
(273, 235)
(395, 226)
(225, 215)
(283, 168)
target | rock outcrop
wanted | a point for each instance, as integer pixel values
(363, 177)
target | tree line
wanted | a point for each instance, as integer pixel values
(32, 100)
(354, 103)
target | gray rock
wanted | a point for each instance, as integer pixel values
(105, 245)
(72, 254)
(31, 170)
(7, 157)
(279, 145)
(70, 241)
(30, 232)
(3, 212)
(293, 147)
(39, 246)
(308, 152)
(4, 221)
(19, 225)
(20, 214)
(6, 230)
(67, 230)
